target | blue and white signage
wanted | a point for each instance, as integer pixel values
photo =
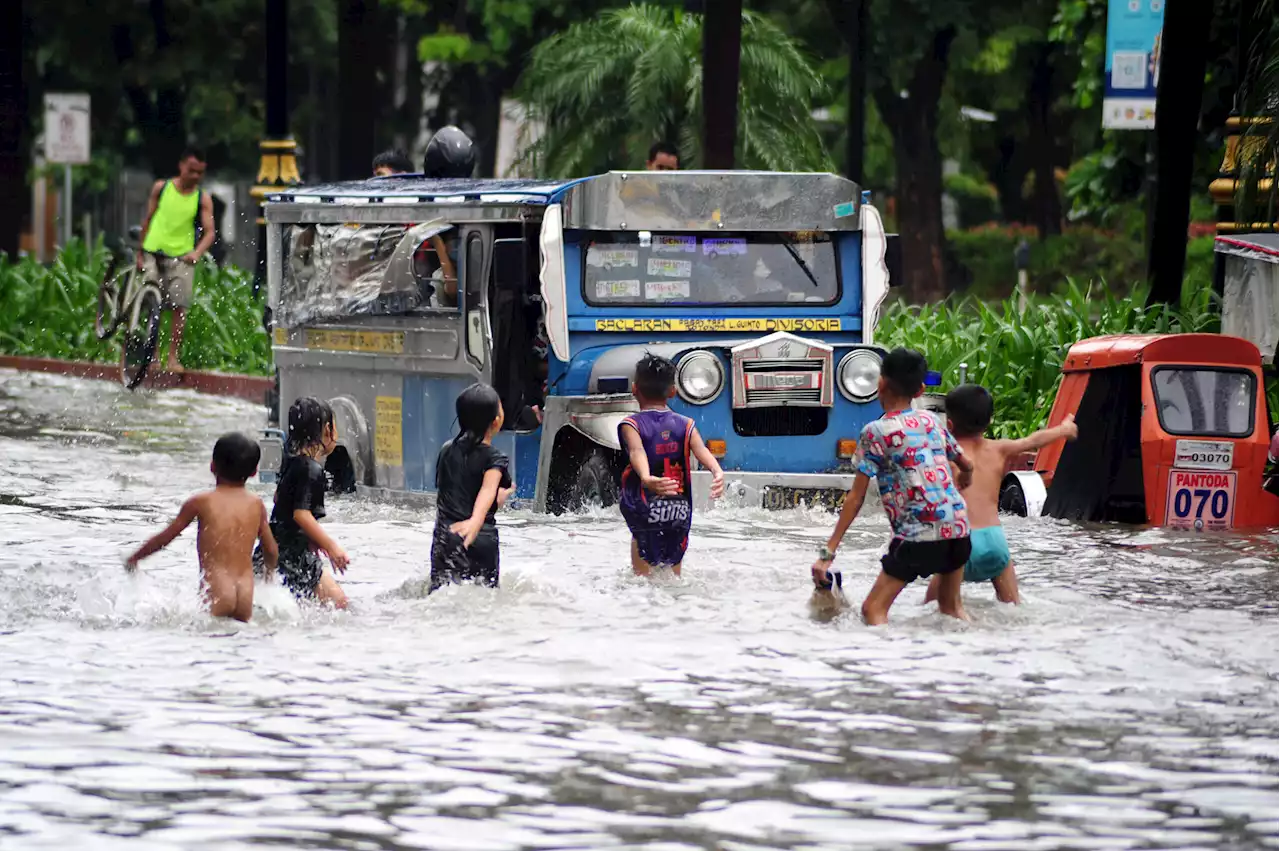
(1133, 63)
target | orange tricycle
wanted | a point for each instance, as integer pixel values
(1174, 432)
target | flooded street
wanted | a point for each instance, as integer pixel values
(1130, 703)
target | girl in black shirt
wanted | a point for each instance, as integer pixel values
(472, 482)
(299, 505)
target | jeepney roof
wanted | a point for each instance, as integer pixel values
(624, 201)
(414, 188)
(1129, 349)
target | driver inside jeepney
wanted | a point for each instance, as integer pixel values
(437, 275)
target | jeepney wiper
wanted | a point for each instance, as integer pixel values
(795, 255)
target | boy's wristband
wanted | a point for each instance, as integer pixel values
(826, 554)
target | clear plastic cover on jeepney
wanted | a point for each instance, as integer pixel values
(333, 271)
(1251, 289)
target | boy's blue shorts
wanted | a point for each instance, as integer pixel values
(989, 555)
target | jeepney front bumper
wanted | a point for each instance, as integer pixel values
(774, 491)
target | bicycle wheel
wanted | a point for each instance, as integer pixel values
(110, 291)
(139, 344)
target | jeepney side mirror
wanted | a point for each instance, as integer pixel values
(893, 259)
(509, 265)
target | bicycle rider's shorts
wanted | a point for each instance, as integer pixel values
(178, 285)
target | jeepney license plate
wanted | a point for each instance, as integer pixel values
(1200, 501)
(779, 498)
(1204, 454)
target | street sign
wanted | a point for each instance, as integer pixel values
(1132, 63)
(66, 128)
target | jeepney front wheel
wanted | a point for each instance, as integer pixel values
(587, 476)
(1012, 499)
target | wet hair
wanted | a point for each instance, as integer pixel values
(655, 376)
(192, 152)
(663, 148)
(394, 159)
(235, 458)
(904, 369)
(477, 408)
(969, 407)
(308, 417)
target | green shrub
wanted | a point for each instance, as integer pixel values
(976, 199)
(49, 311)
(1018, 356)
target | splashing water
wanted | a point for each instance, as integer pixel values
(1130, 703)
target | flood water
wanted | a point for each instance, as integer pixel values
(1130, 703)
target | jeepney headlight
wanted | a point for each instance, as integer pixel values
(699, 378)
(860, 375)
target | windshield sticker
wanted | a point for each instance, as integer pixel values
(666, 290)
(734, 325)
(843, 211)
(658, 267)
(675, 244)
(723, 247)
(613, 258)
(617, 289)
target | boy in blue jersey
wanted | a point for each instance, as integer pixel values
(656, 498)
(909, 453)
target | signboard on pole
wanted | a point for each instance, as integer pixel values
(1133, 63)
(66, 128)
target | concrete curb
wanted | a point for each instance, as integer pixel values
(251, 387)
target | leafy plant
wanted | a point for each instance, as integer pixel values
(1018, 355)
(48, 311)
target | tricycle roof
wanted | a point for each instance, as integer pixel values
(1129, 349)
(617, 201)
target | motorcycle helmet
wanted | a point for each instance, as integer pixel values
(450, 153)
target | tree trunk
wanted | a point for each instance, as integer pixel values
(357, 88)
(913, 122)
(1009, 175)
(850, 18)
(13, 124)
(721, 58)
(1185, 44)
(1046, 204)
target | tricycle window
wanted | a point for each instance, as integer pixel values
(1204, 400)
(333, 271)
(667, 269)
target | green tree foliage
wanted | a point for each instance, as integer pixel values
(610, 87)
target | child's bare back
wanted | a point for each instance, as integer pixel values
(230, 520)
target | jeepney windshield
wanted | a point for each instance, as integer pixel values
(333, 271)
(1204, 401)
(669, 269)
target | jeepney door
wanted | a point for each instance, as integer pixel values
(479, 331)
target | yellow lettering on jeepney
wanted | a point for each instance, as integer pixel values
(376, 342)
(388, 431)
(741, 325)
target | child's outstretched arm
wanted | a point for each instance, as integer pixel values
(852, 505)
(706, 459)
(190, 509)
(488, 495)
(315, 533)
(640, 463)
(1065, 430)
(270, 552)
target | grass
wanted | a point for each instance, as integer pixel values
(1018, 355)
(48, 311)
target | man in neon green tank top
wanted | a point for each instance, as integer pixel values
(173, 211)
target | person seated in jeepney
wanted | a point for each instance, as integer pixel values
(437, 275)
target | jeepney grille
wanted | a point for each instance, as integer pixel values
(760, 398)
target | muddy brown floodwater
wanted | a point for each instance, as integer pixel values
(1130, 703)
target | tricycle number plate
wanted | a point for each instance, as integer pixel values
(777, 498)
(1200, 501)
(1204, 454)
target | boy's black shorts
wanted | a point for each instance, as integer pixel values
(908, 561)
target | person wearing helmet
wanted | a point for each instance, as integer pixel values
(449, 154)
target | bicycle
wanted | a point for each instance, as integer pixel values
(130, 296)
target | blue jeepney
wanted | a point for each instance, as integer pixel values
(391, 295)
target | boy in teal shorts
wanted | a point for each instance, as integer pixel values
(969, 410)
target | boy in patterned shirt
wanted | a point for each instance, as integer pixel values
(910, 455)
